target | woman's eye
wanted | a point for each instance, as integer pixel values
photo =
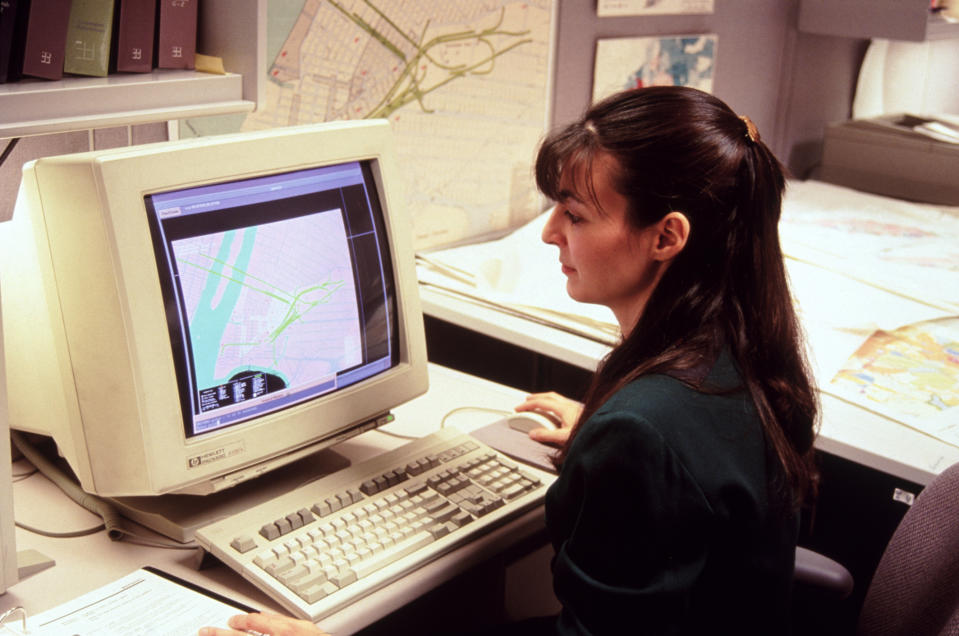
(572, 217)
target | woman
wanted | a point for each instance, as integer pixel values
(681, 474)
(677, 502)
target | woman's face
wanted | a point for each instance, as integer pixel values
(606, 260)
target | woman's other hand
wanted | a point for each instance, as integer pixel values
(267, 624)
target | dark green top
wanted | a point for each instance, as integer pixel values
(664, 521)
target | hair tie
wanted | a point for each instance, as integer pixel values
(752, 133)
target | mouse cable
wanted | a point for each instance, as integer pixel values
(481, 409)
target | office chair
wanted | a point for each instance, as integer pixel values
(915, 589)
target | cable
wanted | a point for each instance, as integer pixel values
(458, 409)
(18, 477)
(6, 151)
(396, 435)
(96, 505)
(481, 409)
(60, 535)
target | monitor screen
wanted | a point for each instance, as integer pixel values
(278, 289)
(188, 315)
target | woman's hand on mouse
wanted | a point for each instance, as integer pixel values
(562, 409)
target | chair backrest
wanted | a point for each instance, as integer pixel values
(915, 589)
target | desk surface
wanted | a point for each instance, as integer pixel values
(848, 431)
(85, 563)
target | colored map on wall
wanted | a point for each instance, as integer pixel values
(623, 63)
(463, 84)
(910, 374)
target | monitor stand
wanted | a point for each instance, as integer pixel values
(179, 516)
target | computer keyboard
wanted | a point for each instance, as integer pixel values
(324, 545)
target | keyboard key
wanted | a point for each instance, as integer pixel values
(512, 492)
(444, 513)
(269, 531)
(295, 521)
(343, 577)
(461, 518)
(316, 593)
(243, 543)
(439, 530)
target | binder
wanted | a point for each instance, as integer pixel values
(13, 21)
(13, 24)
(176, 33)
(88, 38)
(46, 38)
(135, 36)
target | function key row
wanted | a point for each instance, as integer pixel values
(296, 520)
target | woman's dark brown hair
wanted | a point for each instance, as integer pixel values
(682, 149)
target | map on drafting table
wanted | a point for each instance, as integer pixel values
(910, 374)
(910, 249)
(463, 84)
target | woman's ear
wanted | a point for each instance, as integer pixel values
(672, 235)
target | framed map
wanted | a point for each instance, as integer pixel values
(679, 60)
(464, 85)
(609, 8)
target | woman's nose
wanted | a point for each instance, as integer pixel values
(551, 234)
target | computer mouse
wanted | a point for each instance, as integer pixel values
(525, 421)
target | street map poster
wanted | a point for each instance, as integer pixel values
(463, 83)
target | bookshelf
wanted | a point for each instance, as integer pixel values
(908, 20)
(234, 30)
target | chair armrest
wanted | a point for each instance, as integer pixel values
(819, 572)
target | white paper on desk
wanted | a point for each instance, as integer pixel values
(909, 249)
(140, 603)
(522, 271)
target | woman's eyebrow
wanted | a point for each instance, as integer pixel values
(568, 194)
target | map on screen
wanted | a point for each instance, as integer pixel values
(266, 305)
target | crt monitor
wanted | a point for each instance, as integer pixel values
(183, 316)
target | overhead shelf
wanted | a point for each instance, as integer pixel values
(909, 20)
(231, 29)
(33, 107)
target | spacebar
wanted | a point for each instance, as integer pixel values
(397, 551)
